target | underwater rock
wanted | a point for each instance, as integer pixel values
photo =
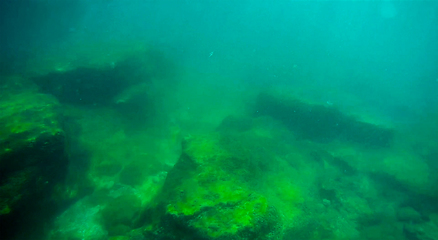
(136, 106)
(106, 213)
(85, 86)
(406, 171)
(96, 86)
(132, 175)
(388, 229)
(322, 123)
(423, 231)
(120, 211)
(236, 124)
(105, 85)
(33, 160)
(408, 214)
(202, 199)
(395, 169)
(108, 168)
(79, 221)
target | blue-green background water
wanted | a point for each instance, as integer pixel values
(383, 52)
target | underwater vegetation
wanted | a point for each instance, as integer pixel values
(93, 152)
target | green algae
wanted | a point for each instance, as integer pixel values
(210, 196)
(25, 117)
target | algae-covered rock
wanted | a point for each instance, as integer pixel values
(24, 118)
(201, 199)
(32, 157)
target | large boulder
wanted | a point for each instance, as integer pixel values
(33, 160)
(203, 198)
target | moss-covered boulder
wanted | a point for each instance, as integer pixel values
(322, 123)
(33, 160)
(202, 199)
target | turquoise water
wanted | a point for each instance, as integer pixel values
(221, 119)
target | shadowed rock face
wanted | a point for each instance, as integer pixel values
(84, 86)
(114, 83)
(322, 124)
(33, 161)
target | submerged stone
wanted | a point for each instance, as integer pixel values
(322, 123)
(110, 84)
(33, 161)
(408, 214)
(84, 86)
(202, 199)
(79, 221)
